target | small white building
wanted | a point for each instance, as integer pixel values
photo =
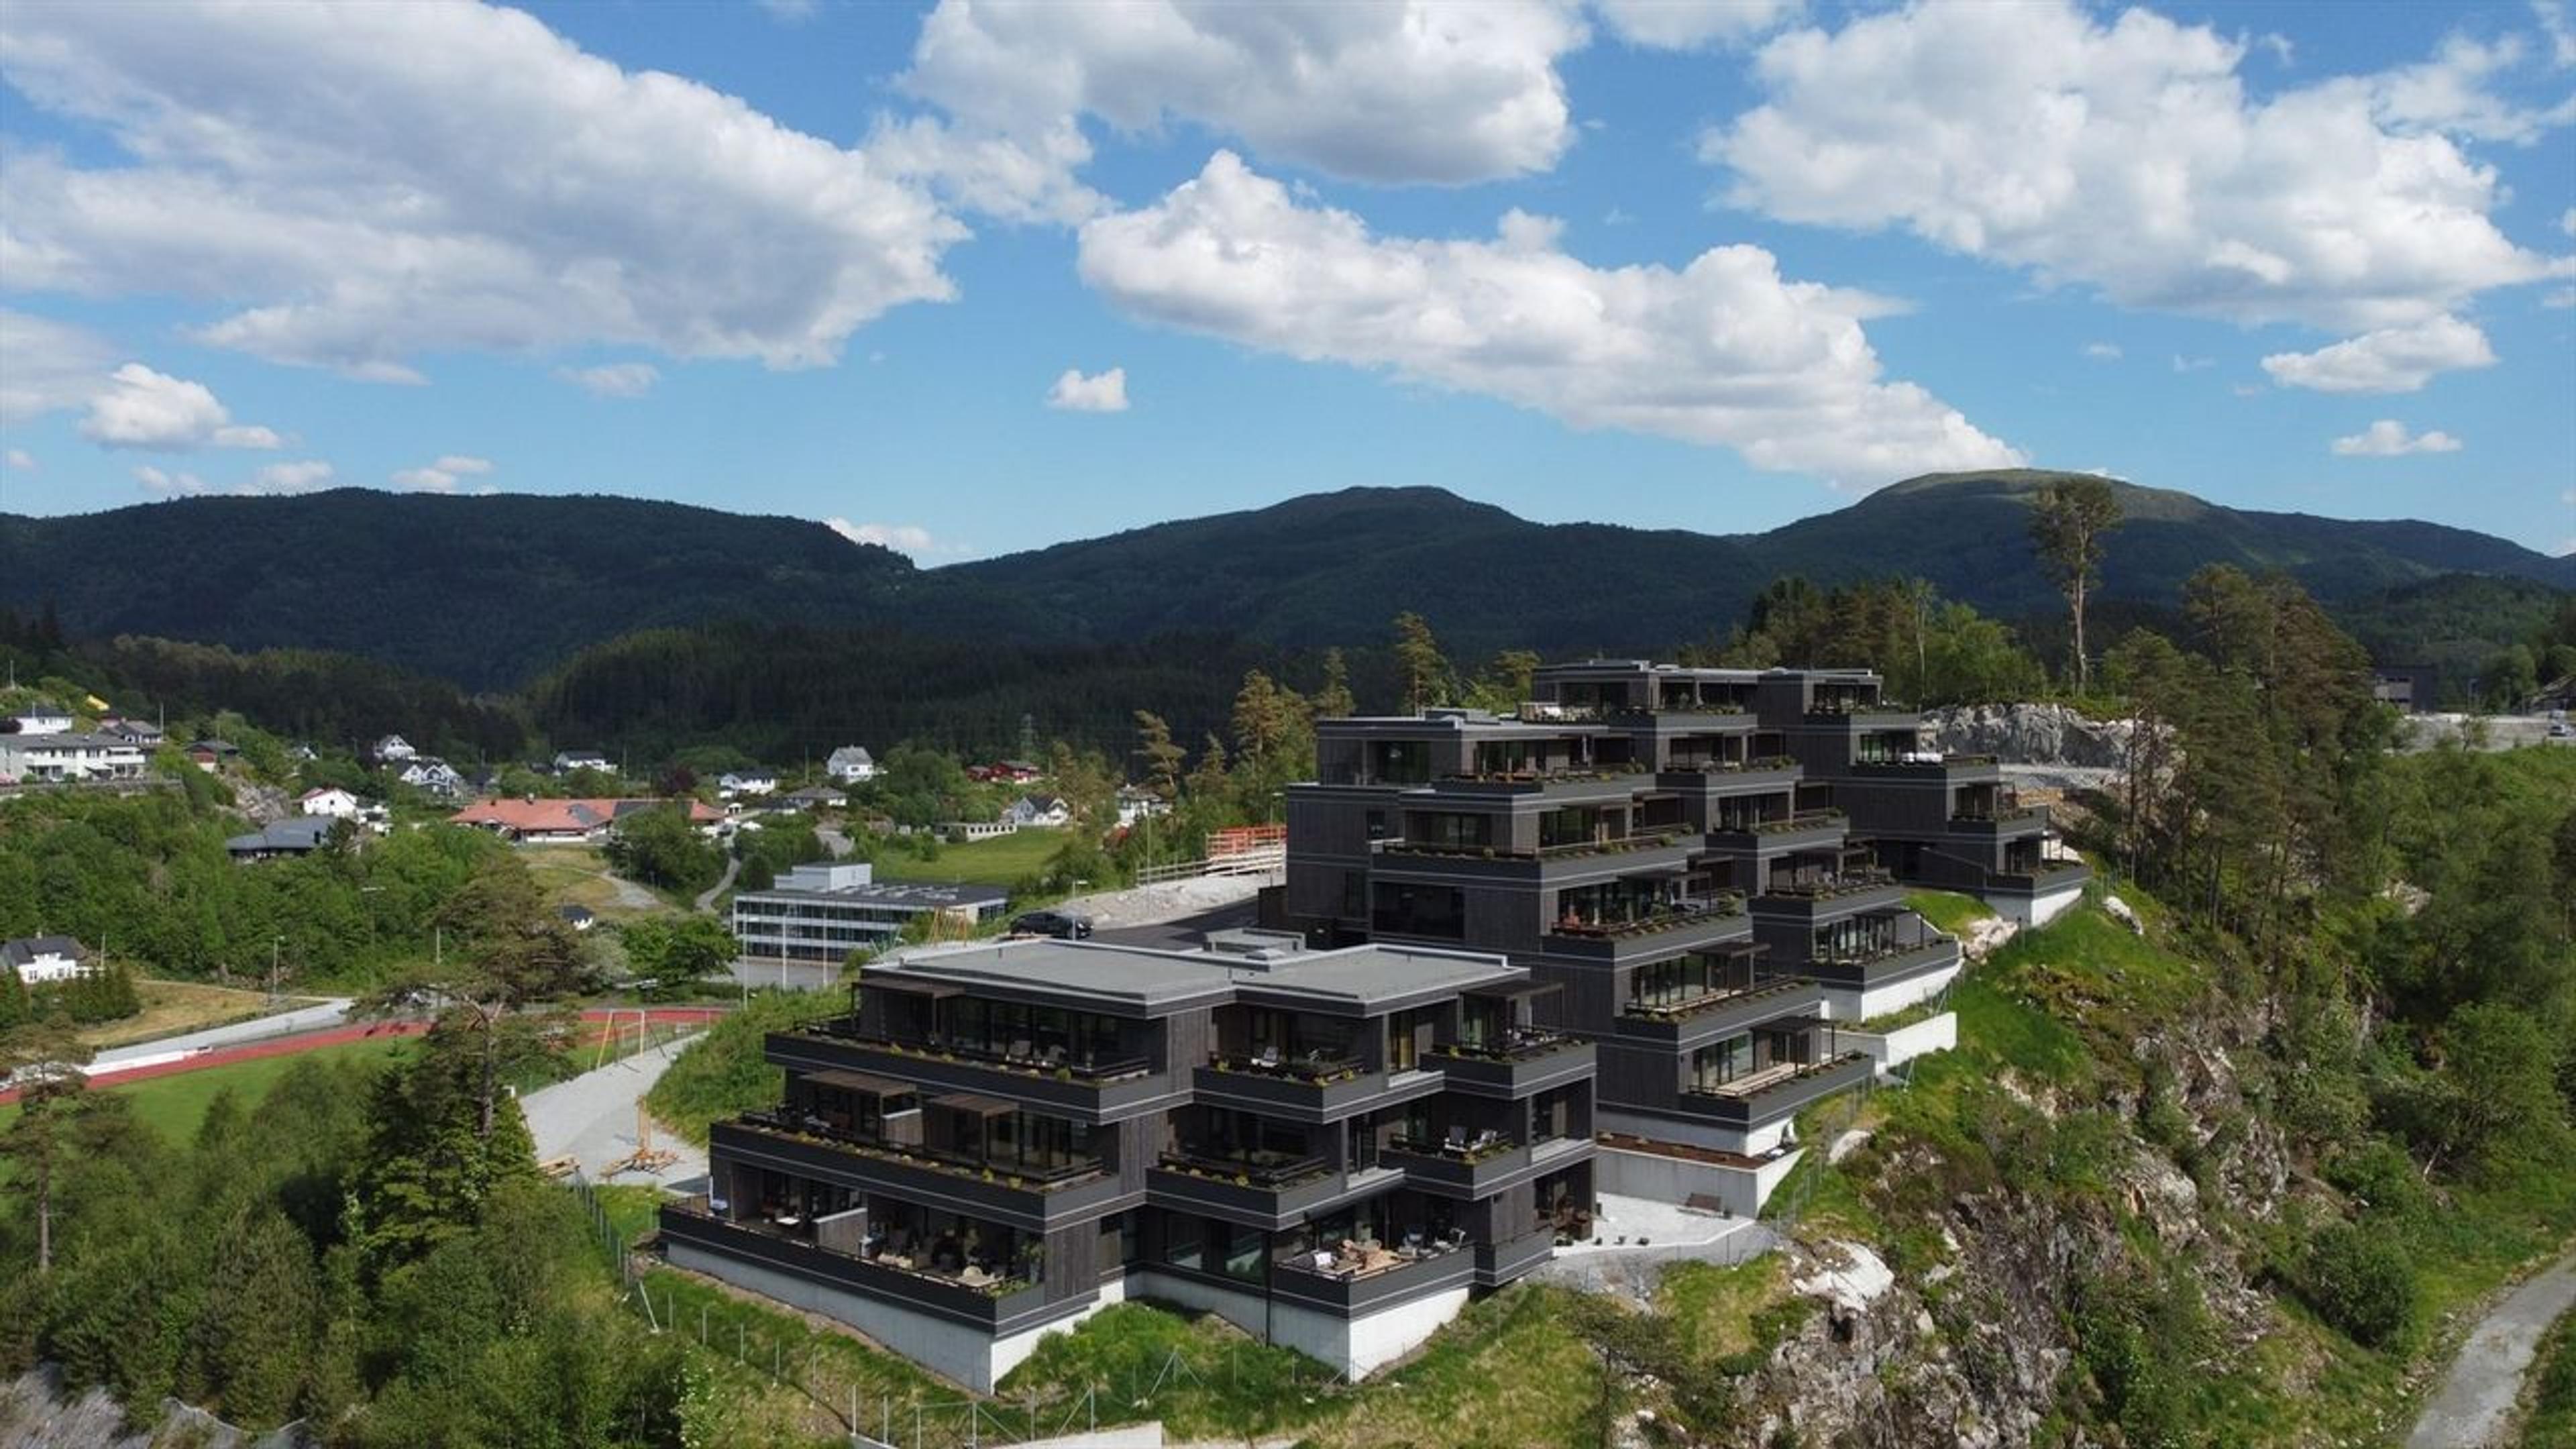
(430, 773)
(567, 761)
(46, 958)
(44, 717)
(747, 782)
(393, 748)
(1044, 811)
(330, 800)
(850, 764)
(1136, 804)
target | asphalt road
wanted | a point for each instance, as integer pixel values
(2475, 1406)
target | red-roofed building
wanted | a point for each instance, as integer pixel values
(545, 821)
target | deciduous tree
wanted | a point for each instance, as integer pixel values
(2068, 521)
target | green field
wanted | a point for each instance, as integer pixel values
(175, 1104)
(997, 862)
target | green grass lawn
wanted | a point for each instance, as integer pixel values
(175, 1104)
(1948, 911)
(997, 862)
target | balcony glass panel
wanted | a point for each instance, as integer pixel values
(1667, 987)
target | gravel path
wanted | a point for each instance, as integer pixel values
(707, 897)
(2477, 1400)
(591, 1118)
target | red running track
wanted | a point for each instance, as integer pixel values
(340, 1035)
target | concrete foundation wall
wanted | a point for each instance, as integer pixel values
(2040, 909)
(1896, 1048)
(951, 1350)
(1740, 1190)
(1354, 1347)
(1859, 1006)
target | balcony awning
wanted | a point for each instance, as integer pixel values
(975, 1106)
(863, 1082)
(912, 986)
(1517, 990)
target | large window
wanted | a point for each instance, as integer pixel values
(1039, 1034)
(1439, 912)
(1449, 829)
(1712, 1067)
(1400, 762)
(1665, 985)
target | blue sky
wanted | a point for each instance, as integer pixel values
(977, 277)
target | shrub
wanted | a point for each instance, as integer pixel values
(2360, 1282)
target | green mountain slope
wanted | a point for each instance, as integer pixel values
(485, 591)
(492, 591)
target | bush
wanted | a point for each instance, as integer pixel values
(726, 1073)
(2360, 1282)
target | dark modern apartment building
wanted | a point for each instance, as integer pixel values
(1331, 1148)
(1691, 857)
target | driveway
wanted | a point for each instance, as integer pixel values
(592, 1118)
(2476, 1402)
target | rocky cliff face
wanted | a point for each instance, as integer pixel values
(2029, 734)
(1968, 1339)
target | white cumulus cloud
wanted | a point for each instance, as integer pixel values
(169, 485)
(1102, 393)
(904, 538)
(2102, 351)
(45, 365)
(613, 379)
(369, 182)
(301, 477)
(1690, 24)
(1401, 91)
(141, 408)
(2388, 438)
(1724, 351)
(443, 475)
(2392, 359)
(2126, 155)
(20, 459)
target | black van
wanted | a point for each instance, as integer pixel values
(1062, 925)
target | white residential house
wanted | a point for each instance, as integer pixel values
(747, 782)
(1039, 810)
(69, 756)
(331, 800)
(44, 717)
(850, 764)
(393, 748)
(567, 761)
(1137, 804)
(141, 732)
(430, 773)
(46, 958)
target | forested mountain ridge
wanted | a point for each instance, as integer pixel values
(495, 591)
(484, 591)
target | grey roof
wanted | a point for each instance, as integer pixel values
(23, 949)
(919, 894)
(574, 914)
(72, 740)
(1357, 980)
(299, 832)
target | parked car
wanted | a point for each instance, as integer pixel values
(1062, 925)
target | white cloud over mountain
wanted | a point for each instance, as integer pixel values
(1101, 393)
(140, 408)
(2388, 438)
(1724, 351)
(2392, 359)
(378, 181)
(442, 476)
(2129, 157)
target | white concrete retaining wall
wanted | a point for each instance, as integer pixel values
(952, 1350)
(1740, 1190)
(1896, 1048)
(1858, 1006)
(2040, 909)
(1354, 1347)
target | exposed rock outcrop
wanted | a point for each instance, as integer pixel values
(2029, 734)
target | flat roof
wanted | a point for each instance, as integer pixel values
(1354, 979)
(919, 894)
